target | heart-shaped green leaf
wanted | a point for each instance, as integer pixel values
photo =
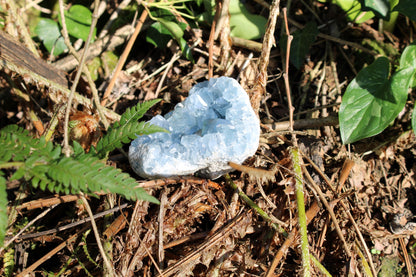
(407, 7)
(48, 32)
(176, 31)
(244, 24)
(173, 27)
(353, 10)
(380, 7)
(302, 41)
(158, 35)
(408, 59)
(372, 101)
(78, 22)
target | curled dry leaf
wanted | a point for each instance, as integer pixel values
(85, 129)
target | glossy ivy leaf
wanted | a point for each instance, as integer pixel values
(372, 100)
(107, 60)
(176, 31)
(302, 41)
(158, 35)
(186, 50)
(408, 59)
(380, 7)
(78, 21)
(48, 32)
(244, 24)
(353, 10)
(407, 7)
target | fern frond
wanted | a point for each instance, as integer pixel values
(3, 209)
(43, 164)
(89, 175)
(18, 145)
(133, 114)
(124, 134)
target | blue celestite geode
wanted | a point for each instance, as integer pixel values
(213, 126)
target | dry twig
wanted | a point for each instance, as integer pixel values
(124, 56)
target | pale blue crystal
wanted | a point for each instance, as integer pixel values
(213, 126)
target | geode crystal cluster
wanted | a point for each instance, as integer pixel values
(214, 125)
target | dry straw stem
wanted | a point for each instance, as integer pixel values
(218, 7)
(329, 208)
(256, 174)
(107, 43)
(108, 266)
(73, 224)
(406, 258)
(66, 149)
(174, 180)
(48, 255)
(47, 202)
(17, 58)
(161, 215)
(6, 244)
(290, 240)
(212, 241)
(21, 26)
(259, 88)
(255, 207)
(307, 123)
(297, 165)
(248, 44)
(124, 56)
(86, 72)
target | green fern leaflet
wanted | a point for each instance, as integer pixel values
(3, 209)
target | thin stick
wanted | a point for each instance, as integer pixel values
(66, 149)
(73, 224)
(360, 236)
(268, 41)
(255, 207)
(161, 216)
(297, 164)
(286, 73)
(310, 214)
(357, 229)
(46, 257)
(175, 57)
(27, 226)
(21, 26)
(124, 56)
(211, 39)
(406, 258)
(303, 226)
(213, 240)
(107, 263)
(330, 210)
